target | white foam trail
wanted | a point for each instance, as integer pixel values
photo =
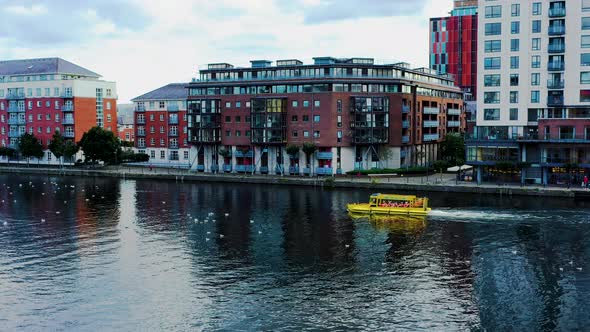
(476, 215)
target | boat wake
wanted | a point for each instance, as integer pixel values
(482, 215)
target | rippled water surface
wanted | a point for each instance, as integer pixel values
(109, 254)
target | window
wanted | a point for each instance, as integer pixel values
(108, 105)
(493, 11)
(492, 63)
(294, 118)
(228, 133)
(306, 118)
(227, 104)
(294, 133)
(514, 78)
(536, 44)
(316, 134)
(514, 62)
(185, 155)
(514, 97)
(39, 118)
(48, 117)
(162, 154)
(535, 79)
(316, 103)
(238, 133)
(316, 118)
(247, 133)
(306, 103)
(47, 92)
(515, 10)
(535, 96)
(536, 26)
(536, 61)
(161, 104)
(294, 103)
(585, 77)
(585, 59)
(537, 8)
(514, 114)
(586, 5)
(238, 119)
(491, 114)
(493, 29)
(238, 104)
(38, 92)
(491, 80)
(152, 129)
(161, 117)
(514, 45)
(305, 133)
(585, 23)
(47, 103)
(586, 41)
(515, 28)
(585, 96)
(492, 46)
(491, 97)
(227, 118)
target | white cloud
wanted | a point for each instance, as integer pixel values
(33, 10)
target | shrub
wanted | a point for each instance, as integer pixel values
(400, 171)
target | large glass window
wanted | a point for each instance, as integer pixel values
(585, 96)
(514, 79)
(586, 5)
(536, 61)
(585, 77)
(535, 79)
(491, 114)
(586, 41)
(514, 45)
(535, 96)
(493, 29)
(514, 97)
(492, 46)
(585, 59)
(491, 80)
(536, 44)
(491, 97)
(515, 28)
(515, 10)
(492, 63)
(537, 8)
(493, 11)
(514, 62)
(585, 23)
(536, 26)
(514, 114)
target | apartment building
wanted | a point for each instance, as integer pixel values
(359, 114)
(161, 128)
(533, 92)
(41, 96)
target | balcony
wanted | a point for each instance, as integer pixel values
(139, 109)
(14, 134)
(293, 170)
(227, 168)
(555, 101)
(15, 96)
(67, 108)
(214, 168)
(405, 109)
(67, 94)
(430, 137)
(242, 154)
(324, 171)
(306, 171)
(453, 111)
(405, 139)
(431, 110)
(15, 109)
(69, 134)
(173, 121)
(173, 146)
(556, 66)
(173, 108)
(557, 12)
(263, 169)
(555, 84)
(67, 121)
(140, 121)
(141, 133)
(454, 124)
(325, 155)
(406, 124)
(201, 168)
(244, 168)
(403, 154)
(173, 134)
(140, 145)
(556, 48)
(556, 30)
(17, 121)
(430, 124)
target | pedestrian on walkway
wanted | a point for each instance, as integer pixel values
(585, 181)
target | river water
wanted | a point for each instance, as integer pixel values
(100, 254)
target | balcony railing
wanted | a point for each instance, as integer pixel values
(556, 138)
(67, 95)
(141, 133)
(263, 169)
(227, 168)
(454, 124)
(454, 111)
(405, 109)
(556, 48)
(556, 66)
(430, 110)
(15, 109)
(17, 121)
(406, 139)
(140, 121)
(324, 171)
(555, 101)
(173, 134)
(14, 134)
(325, 155)
(430, 124)
(245, 168)
(140, 109)
(557, 12)
(406, 124)
(201, 168)
(430, 137)
(173, 121)
(67, 121)
(173, 108)
(242, 154)
(69, 134)
(555, 84)
(173, 146)
(67, 108)
(15, 96)
(140, 145)
(556, 30)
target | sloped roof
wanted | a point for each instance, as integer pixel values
(172, 91)
(43, 66)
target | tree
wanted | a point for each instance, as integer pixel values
(225, 153)
(452, 149)
(292, 150)
(29, 146)
(99, 145)
(7, 152)
(70, 150)
(57, 145)
(308, 148)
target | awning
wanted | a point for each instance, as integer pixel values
(459, 168)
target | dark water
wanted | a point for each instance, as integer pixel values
(129, 255)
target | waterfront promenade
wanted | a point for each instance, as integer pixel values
(433, 182)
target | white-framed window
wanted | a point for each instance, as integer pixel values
(162, 154)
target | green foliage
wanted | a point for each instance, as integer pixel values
(399, 171)
(30, 146)
(70, 149)
(57, 145)
(127, 144)
(7, 152)
(452, 149)
(292, 150)
(130, 156)
(309, 148)
(441, 165)
(99, 145)
(225, 153)
(329, 183)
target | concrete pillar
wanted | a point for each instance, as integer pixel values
(479, 174)
(233, 158)
(257, 155)
(545, 174)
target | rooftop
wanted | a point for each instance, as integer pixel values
(43, 66)
(172, 91)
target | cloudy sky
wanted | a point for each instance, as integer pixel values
(144, 44)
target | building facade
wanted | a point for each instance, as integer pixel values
(533, 89)
(359, 115)
(42, 96)
(161, 128)
(126, 122)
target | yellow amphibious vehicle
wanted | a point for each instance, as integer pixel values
(383, 204)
